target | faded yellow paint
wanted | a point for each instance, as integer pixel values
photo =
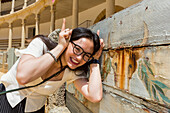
(122, 60)
(122, 70)
(141, 61)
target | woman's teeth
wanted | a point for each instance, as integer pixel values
(75, 61)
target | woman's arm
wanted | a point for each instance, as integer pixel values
(31, 68)
(91, 89)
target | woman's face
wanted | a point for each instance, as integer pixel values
(83, 47)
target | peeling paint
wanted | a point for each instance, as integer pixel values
(126, 62)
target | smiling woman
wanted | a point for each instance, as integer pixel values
(65, 56)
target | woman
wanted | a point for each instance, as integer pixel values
(68, 57)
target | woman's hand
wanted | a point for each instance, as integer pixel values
(99, 52)
(64, 35)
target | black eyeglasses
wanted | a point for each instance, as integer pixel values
(77, 50)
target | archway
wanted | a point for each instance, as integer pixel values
(102, 15)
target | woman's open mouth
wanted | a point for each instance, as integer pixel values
(73, 61)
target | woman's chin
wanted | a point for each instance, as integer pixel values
(72, 66)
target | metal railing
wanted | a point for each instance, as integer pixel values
(86, 24)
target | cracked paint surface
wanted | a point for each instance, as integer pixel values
(140, 72)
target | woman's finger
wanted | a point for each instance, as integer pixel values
(66, 30)
(101, 45)
(70, 31)
(67, 33)
(63, 25)
(98, 32)
(99, 52)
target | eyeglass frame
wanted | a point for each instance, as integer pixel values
(91, 56)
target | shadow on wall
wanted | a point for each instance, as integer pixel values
(102, 15)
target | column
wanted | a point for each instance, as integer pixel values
(10, 36)
(37, 16)
(110, 7)
(25, 4)
(75, 14)
(23, 34)
(52, 26)
(13, 5)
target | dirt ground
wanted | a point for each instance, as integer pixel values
(61, 109)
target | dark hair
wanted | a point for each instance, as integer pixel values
(48, 42)
(77, 33)
(80, 32)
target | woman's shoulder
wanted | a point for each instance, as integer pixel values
(35, 48)
(37, 40)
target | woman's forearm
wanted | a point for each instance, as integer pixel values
(95, 83)
(91, 89)
(31, 68)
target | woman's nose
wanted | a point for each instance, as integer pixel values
(80, 57)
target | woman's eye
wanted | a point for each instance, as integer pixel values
(77, 49)
(87, 55)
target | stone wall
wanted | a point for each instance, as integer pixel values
(56, 102)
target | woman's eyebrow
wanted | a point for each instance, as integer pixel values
(82, 48)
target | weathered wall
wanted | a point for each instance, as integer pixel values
(135, 62)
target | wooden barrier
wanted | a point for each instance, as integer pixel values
(16, 43)
(135, 62)
(11, 57)
(3, 62)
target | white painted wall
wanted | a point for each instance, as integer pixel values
(17, 32)
(4, 33)
(45, 28)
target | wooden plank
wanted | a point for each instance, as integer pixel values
(146, 22)
(116, 101)
(135, 62)
(94, 107)
(112, 103)
(145, 72)
(74, 105)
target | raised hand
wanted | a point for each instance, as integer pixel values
(64, 35)
(99, 52)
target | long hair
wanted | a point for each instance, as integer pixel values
(77, 33)
(48, 42)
